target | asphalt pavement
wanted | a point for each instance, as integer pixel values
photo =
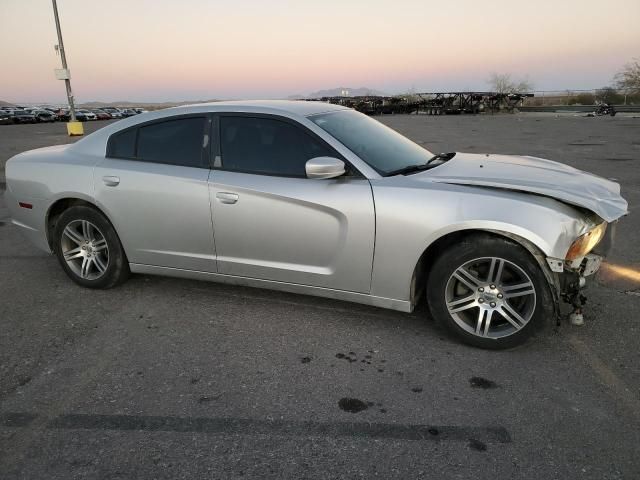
(167, 378)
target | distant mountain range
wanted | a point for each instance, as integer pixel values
(120, 103)
(330, 92)
(341, 91)
(127, 104)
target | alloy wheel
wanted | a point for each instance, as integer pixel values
(490, 297)
(85, 249)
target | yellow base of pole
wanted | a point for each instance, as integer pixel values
(75, 128)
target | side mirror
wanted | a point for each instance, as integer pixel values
(324, 167)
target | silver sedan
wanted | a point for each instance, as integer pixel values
(318, 199)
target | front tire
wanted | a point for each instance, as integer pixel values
(489, 292)
(89, 249)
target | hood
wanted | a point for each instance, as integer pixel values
(533, 175)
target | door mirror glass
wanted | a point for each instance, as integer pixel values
(324, 167)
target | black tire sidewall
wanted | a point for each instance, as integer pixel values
(118, 267)
(488, 246)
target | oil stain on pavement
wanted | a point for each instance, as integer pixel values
(353, 405)
(479, 382)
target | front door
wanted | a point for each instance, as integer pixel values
(271, 222)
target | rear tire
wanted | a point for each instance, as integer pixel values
(89, 249)
(489, 292)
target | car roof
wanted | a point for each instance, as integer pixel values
(296, 107)
(96, 142)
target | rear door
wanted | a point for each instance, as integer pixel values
(273, 223)
(153, 186)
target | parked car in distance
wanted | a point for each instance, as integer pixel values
(65, 116)
(5, 118)
(114, 112)
(140, 110)
(22, 116)
(44, 116)
(81, 116)
(319, 199)
(101, 114)
(88, 114)
(129, 112)
(62, 115)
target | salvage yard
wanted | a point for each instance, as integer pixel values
(167, 378)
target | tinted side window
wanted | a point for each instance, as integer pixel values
(123, 145)
(176, 142)
(266, 146)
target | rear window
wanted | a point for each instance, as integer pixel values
(177, 142)
(173, 142)
(123, 145)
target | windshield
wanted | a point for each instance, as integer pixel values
(384, 149)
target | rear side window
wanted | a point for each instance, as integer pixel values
(172, 142)
(267, 146)
(123, 145)
(177, 142)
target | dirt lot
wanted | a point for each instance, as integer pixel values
(165, 378)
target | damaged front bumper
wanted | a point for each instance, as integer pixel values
(571, 278)
(574, 274)
(572, 283)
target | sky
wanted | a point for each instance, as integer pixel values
(172, 50)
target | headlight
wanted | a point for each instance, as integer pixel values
(587, 242)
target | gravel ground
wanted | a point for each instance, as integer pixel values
(165, 378)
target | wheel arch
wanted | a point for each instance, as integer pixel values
(439, 245)
(59, 206)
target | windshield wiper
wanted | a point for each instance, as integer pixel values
(444, 157)
(408, 169)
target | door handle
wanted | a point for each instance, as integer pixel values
(110, 181)
(226, 197)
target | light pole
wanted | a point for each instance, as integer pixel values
(64, 74)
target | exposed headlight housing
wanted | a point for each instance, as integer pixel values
(587, 242)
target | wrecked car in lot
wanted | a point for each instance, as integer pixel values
(318, 199)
